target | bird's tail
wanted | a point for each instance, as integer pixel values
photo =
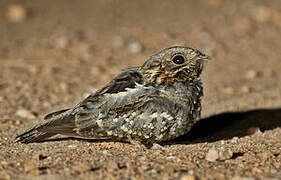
(61, 122)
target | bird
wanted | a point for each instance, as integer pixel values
(144, 105)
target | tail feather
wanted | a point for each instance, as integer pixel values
(59, 123)
(33, 136)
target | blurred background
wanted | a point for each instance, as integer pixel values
(53, 53)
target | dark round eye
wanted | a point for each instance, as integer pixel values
(178, 59)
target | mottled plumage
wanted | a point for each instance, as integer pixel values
(155, 102)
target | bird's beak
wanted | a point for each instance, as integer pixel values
(204, 57)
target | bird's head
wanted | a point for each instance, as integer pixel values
(174, 64)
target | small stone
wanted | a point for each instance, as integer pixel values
(256, 170)
(95, 70)
(117, 42)
(16, 13)
(188, 177)
(245, 89)
(238, 178)
(248, 178)
(60, 42)
(212, 155)
(234, 140)
(104, 152)
(135, 47)
(225, 154)
(63, 86)
(72, 146)
(227, 90)
(4, 163)
(251, 74)
(33, 69)
(261, 14)
(241, 166)
(273, 171)
(17, 122)
(23, 113)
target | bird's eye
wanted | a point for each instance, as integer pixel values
(178, 59)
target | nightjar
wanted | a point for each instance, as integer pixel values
(155, 102)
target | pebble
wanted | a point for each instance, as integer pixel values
(242, 178)
(256, 170)
(135, 47)
(95, 70)
(218, 154)
(227, 90)
(251, 74)
(104, 152)
(222, 142)
(212, 155)
(60, 42)
(16, 13)
(245, 89)
(188, 177)
(234, 140)
(23, 113)
(72, 146)
(261, 14)
(63, 86)
(225, 154)
(273, 171)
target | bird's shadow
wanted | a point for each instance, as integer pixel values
(218, 127)
(231, 124)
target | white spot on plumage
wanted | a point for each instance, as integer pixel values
(154, 115)
(100, 123)
(134, 114)
(124, 128)
(166, 116)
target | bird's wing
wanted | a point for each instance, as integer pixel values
(127, 79)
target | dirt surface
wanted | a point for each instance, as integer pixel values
(54, 53)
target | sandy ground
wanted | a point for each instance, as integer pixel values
(54, 53)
